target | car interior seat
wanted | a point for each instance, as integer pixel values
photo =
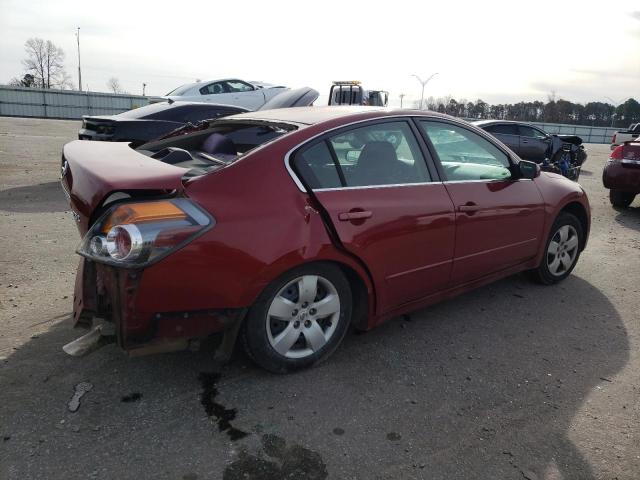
(378, 164)
(220, 147)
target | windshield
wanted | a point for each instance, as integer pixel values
(180, 90)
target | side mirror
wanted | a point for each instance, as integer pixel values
(528, 170)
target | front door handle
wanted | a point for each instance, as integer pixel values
(469, 208)
(524, 141)
(354, 215)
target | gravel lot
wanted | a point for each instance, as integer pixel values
(511, 381)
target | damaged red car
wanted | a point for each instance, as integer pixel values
(283, 228)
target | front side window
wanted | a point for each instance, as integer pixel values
(213, 89)
(235, 86)
(465, 155)
(531, 132)
(379, 154)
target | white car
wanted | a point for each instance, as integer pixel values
(228, 91)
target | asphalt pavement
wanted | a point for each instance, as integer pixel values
(511, 381)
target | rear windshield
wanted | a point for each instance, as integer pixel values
(148, 110)
(180, 90)
(223, 143)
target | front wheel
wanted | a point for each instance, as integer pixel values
(562, 250)
(299, 319)
(621, 199)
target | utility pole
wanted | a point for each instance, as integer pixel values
(423, 83)
(144, 86)
(401, 98)
(79, 70)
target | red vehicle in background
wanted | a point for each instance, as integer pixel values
(288, 226)
(621, 174)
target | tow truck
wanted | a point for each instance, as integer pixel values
(350, 92)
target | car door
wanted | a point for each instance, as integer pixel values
(499, 218)
(384, 206)
(245, 95)
(507, 133)
(534, 143)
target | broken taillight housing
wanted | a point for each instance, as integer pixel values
(138, 234)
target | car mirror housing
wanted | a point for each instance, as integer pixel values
(528, 170)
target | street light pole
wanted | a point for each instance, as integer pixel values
(423, 83)
(79, 70)
(144, 86)
(401, 98)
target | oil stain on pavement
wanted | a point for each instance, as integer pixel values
(223, 416)
(285, 462)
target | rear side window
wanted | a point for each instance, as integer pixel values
(378, 154)
(503, 129)
(315, 165)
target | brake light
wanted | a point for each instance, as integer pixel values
(617, 153)
(138, 234)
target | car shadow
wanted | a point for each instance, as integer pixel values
(629, 217)
(45, 197)
(483, 386)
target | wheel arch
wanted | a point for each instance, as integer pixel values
(579, 211)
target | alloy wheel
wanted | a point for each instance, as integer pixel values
(562, 250)
(303, 316)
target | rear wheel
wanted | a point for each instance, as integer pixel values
(562, 250)
(621, 199)
(299, 319)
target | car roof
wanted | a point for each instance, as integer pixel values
(484, 123)
(305, 116)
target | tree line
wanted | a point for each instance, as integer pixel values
(44, 68)
(554, 110)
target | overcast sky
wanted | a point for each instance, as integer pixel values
(497, 51)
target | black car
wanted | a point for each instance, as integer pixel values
(151, 121)
(158, 119)
(558, 153)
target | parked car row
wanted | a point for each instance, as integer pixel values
(284, 227)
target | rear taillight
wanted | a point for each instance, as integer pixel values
(135, 235)
(617, 154)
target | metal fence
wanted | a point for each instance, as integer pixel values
(67, 104)
(64, 104)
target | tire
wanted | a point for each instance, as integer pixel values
(285, 332)
(621, 199)
(557, 266)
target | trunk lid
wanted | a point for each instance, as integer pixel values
(91, 171)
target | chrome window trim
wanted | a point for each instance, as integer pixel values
(295, 178)
(362, 187)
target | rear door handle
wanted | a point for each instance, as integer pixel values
(357, 215)
(468, 208)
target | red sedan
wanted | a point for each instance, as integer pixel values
(621, 174)
(286, 226)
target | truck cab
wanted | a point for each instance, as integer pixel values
(351, 93)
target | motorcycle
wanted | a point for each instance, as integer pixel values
(565, 156)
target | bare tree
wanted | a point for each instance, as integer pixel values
(27, 81)
(45, 62)
(113, 84)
